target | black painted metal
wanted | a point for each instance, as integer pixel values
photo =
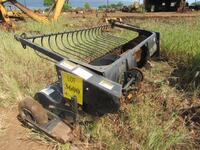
(97, 48)
(85, 44)
(105, 56)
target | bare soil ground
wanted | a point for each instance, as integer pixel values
(15, 136)
(136, 15)
(157, 14)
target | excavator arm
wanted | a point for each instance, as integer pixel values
(57, 8)
(29, 12)
(4, 17)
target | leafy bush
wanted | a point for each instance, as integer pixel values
(196, 4)
(67, 6)
(87, 6)
(117, 6)
(47, 2)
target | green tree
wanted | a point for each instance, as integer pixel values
(48, 2)
(196, 3)
(102, 6)
(67, 6)
(117, 6)
(87, 6)
(120, 5)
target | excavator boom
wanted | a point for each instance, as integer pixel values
(57, 8)
(29, 12)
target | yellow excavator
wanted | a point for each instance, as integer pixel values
(5, 14)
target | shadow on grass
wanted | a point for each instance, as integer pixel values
(186, 74)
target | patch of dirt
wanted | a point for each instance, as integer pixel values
(134, 15)
(16, 136)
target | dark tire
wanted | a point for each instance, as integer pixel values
(32, 110)
(140, 74)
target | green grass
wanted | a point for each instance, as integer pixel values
(21, 69)
(179, 37)
(148, 121)
(180, 45)
(141, 125)
(147, 125)
(22, 72)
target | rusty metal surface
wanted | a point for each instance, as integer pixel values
(62, 132)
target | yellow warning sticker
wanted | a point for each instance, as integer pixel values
(72, 86)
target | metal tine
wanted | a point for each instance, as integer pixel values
(49, 37)
(59, 33)
(73, 47)
(34, 41)
(52, 34)
(39, 41)
(71, 50)
(103, 41)
(83, 44)
(91, 49)
(85, 39)
(49, 43)
(74, 50)
(42, 42)
(75, 44)
(105, 28)
(106, 39)
(86, 54)
(96, 46)
(104, 33)
(63, 50)
(111, 38)
(50, 46)
(93, 42)
(83, 36)
(119, 38)
(78, 46)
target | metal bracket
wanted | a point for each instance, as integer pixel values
(132, 77)
(74, 105)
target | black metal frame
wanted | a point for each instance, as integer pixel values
(105, 56)
(149, 40)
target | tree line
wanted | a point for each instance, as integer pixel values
(67, 5)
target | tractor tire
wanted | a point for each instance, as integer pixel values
(30, 109)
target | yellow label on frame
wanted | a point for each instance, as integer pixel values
(72, 86)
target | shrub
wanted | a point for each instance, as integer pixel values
(87, 6)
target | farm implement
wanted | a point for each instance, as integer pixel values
(94, 68)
